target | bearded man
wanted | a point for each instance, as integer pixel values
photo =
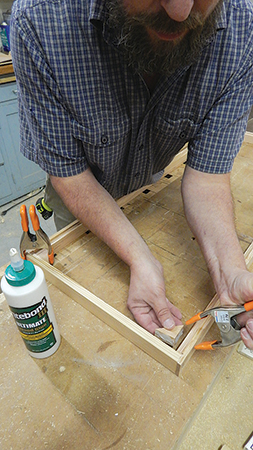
(109, 92)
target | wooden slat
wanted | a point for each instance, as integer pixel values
(170, 337)
(7, 79)
(6, 69)
(5, 58)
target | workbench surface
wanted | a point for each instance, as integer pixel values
(99, 391)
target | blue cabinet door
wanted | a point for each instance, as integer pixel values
(5, 188)
(18, 175)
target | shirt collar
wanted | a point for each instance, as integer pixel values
(98, 11)
(222, 19)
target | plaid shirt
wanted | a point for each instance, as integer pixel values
(82, 106)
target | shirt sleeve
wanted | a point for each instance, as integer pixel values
(45, 122)
(221, 134)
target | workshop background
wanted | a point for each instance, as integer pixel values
(99, 391)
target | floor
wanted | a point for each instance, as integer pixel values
(10, 223)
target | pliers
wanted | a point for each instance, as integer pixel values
(35, 241)
(225, 318)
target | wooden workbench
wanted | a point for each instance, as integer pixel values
(99, 391)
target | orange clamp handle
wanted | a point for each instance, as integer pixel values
(51, 257)
(194, 319)
(248, 306)
(24, 218)
(34, 218)
(205, 345)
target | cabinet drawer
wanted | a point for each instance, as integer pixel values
(8, 92)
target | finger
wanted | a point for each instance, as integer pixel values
(247, 334)
(244, 317)
(249, 327)
(146, 317)
(147, 322)
(247, 340)
(168, 314)
(242, 290)
(174, 310)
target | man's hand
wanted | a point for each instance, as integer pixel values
(147, 299)
(209, 210)
(240, 291)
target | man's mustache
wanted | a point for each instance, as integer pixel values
(162, 23)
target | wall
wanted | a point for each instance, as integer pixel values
(5, 5)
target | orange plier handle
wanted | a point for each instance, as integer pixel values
(34, 218)
(24, 219)
(28, 239)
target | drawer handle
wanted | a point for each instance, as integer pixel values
(15, 91)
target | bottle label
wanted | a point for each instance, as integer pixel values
(35, 327)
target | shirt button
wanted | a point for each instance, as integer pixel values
(182, 135)
(104, 139)
(137, 174)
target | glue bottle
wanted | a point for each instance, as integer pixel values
(26, 292)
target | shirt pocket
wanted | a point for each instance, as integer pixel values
(104, 142)
(180, 130)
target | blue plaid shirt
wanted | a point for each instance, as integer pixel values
(82, 106)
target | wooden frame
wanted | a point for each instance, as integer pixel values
(172, 359)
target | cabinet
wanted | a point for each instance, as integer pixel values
(18, 175)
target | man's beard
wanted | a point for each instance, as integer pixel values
(161, 57)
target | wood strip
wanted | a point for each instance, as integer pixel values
(6, 69)
(170, 337)
(7, 79)
(5, 58)
(150, 344)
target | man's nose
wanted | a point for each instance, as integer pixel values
(177, 10)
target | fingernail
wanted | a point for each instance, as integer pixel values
(245, 333)
(169, 323)
(250, 325)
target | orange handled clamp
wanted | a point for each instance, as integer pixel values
(28, 239)
(35, 241)
(225, 318)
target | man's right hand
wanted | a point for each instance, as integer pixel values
(147, 298)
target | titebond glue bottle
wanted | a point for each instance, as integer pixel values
(26, 292)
